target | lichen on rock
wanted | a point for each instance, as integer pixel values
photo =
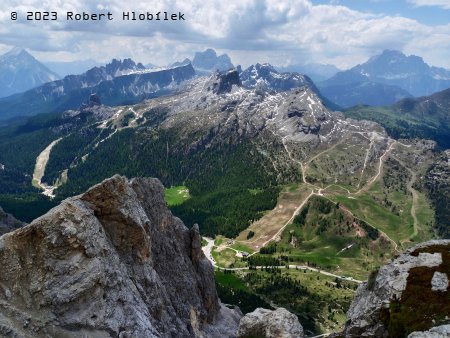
(409, 294)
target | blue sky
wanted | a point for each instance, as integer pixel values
(430, 15)
(281, 32)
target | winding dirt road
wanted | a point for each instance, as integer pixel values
(315, 190)
(380, 168)
(290, 219)
(414, 194)
(207, 250)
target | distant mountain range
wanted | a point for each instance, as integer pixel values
(208, 61)
(426, 117)
(119, 82)
(384, 79)
(316, 71)
(364, 92)
(410, 73)
(19, 71)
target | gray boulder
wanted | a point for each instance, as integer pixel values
(439, 281)
(263, 323)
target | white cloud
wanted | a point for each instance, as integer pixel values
(251, 31)
(438, 3)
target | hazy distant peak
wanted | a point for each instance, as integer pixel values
(16, 52)
(180, 63)
(209, 61)
(20, 71)
(394, 68)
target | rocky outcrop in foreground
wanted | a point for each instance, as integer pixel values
(410, 295)
(112, 262)
(263, 323)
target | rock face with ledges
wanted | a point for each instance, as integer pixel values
(112, 262)
(263, 323)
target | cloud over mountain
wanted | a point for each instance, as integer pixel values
(268, 31)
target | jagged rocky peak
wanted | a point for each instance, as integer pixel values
(16, 52)
(266, 77)
(411, 295)
(111, 70)
(262, 69)
(396, 61)
(122, 67)
(223, 82)
(18, 57)
(112, 262)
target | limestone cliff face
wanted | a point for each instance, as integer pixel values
(410, 294)
(112, 262)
